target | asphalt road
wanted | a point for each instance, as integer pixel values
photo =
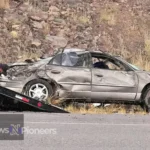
(85, 132)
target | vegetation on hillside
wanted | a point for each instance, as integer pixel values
(33, 27)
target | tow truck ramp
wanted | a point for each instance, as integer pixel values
(33, 103)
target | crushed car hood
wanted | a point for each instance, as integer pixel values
(24, 68)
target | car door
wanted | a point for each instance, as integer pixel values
(71, 71)
(113, 84)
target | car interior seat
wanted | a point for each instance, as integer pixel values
(101, 65)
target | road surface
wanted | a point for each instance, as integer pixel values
(85, 132)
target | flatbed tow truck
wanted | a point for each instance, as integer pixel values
(11, 100)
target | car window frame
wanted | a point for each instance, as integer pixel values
(127, 68)
(70, 66)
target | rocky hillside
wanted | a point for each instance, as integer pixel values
(30, 28)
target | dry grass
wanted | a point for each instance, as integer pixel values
(142, 62)
(120, 109)
(108, 17)
(109, 14)
(55, 101)
(27, 55)
(84, 20)
(147, 43)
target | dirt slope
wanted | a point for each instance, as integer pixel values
(33, 27)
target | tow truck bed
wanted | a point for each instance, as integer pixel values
(32, 103)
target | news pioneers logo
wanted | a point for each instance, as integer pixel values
(11, 127)
(15, 129)
(12, 130)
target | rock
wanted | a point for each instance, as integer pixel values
(53, 10)
(61, 33)
(16, 27)
(36, 43)
(19, 57)
(57, 40)
(30, 34)
(35, 18)
(64, 12)
(72, 2)
(39, 17)
(5, 20)
(59, 21)
(37, 25)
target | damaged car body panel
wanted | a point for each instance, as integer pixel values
(112, 84)
(81, 75)
(74, 80)
(71, 70)
(116, 79)
(19, 74)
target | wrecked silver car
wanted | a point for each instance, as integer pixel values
(82, 75)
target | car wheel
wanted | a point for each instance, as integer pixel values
(147, 100)
(39, 89)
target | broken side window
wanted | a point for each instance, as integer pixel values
(57, 60)
(104, 62)
(71, 59)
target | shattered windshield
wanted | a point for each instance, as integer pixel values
(133, 66)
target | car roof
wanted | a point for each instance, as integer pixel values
(74, 50)
(83, 50)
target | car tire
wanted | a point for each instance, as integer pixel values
(35, 87)
(147, 100)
